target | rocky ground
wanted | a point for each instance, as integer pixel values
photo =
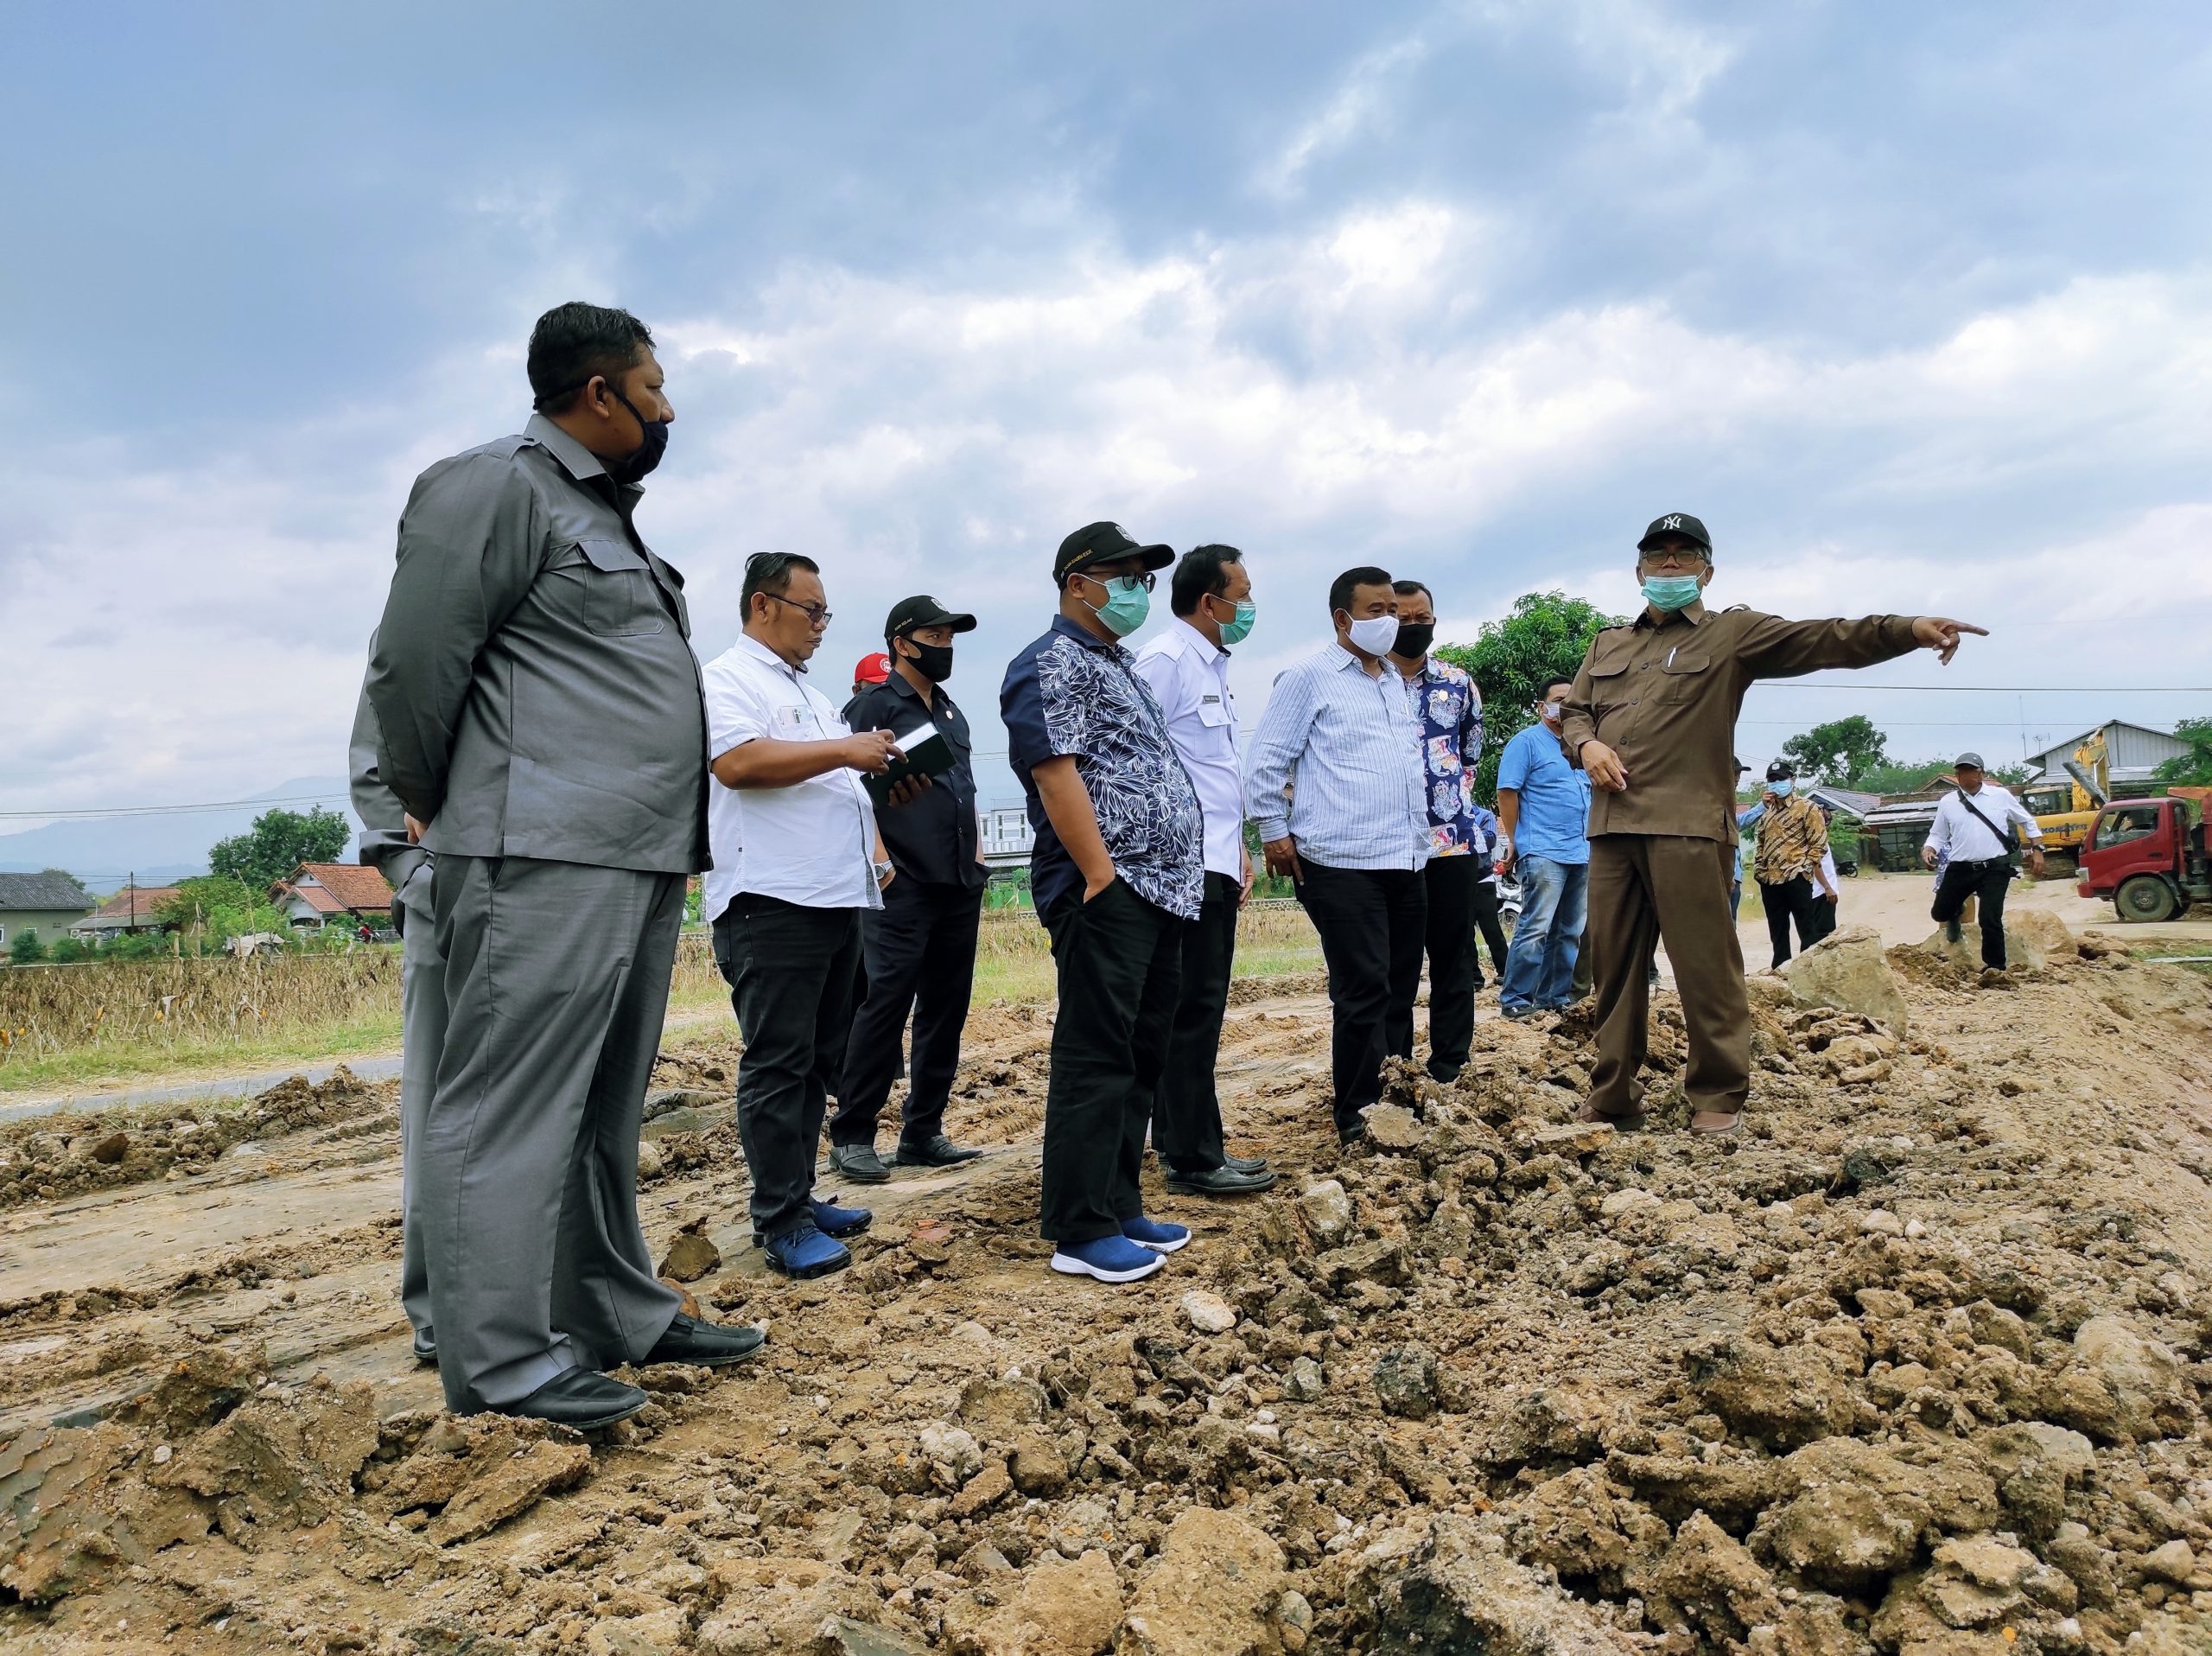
(1916, 1364)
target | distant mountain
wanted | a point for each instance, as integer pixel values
(106, 851)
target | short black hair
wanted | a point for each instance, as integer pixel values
(1340, 589)
(771, 572)
(1202, 572)
(1406, 588)
(575, 341)
(1556, 681)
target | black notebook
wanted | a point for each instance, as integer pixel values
(923, 751)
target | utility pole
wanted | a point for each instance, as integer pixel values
(130, 912)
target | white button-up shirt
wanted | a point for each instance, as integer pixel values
(813, 843)
(1349, 747)
(1188, 675)
(1969, 841)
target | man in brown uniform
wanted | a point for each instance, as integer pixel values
(1652, 718)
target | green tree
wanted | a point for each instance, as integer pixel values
(1911, 776)
(1544, 636)
(279, 842)
(67, 950)
(1839, 752)
(64, 874)
(2194, 767)
(25, 949)
(215, 908)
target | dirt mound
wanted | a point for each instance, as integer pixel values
(1919, 1363)
(47, 1156)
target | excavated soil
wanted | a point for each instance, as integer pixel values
(1917, 1363)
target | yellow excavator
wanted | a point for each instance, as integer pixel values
(2065, 809)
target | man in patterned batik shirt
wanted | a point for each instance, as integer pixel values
(1450, 709)
(1117, 873)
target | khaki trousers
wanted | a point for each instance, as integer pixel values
(1647, 887)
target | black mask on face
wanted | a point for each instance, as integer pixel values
(1414, 638)
(932, 661)
(633, 466)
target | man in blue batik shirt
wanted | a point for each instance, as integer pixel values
(1118, 874)
(1450, 711)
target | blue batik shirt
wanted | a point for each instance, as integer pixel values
(1072, 694)
(1450, 709)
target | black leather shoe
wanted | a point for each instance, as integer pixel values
(934, 1151)
(1245, 1163)
(710, 1345)
(860, 1164)
(581, 1398)
(1219, 1181)
(426, 1346)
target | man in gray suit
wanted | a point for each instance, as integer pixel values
(388, 846)
(539, 709)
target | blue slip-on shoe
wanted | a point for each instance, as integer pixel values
(806, 1252)
(1110, 1258)
(1150, 1233)
(833, 1220)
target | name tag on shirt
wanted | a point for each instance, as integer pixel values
(795, 716)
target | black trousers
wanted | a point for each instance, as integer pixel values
(1450, 939)
(1185, 1108)
(1788, 903)
(920, 954)
(790, 971)
(1485, 906)
(1120, 965)
(1373, 924)
(1820, 917)
(1987, 882)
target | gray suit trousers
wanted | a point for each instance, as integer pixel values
(557, 981)
(421, 1038)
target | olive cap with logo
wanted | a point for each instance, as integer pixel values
(1105, 542)
(1676, 523)
(909, 613)
(1968, 761)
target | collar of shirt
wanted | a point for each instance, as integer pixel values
(1081, 634)
(1692, 612)
(1186, 640)
(759, 652)
(576, 460)
(1343, 658)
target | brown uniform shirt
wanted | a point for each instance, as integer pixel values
(1664, 696)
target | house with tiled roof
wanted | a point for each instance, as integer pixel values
(47, 903)
(131, 909)
(347, 893)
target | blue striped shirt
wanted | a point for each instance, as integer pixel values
(1348, 748)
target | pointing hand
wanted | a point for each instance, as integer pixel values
(1941, 635)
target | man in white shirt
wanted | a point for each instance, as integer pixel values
(797, 859)
(1975, 829)
(1187, 668)
(1354, 833)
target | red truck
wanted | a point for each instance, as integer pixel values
(2149, 856)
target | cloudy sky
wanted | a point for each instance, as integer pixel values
(1912, 304)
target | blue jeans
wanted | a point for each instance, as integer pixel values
(1540, 966)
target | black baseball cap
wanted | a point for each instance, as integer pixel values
(1676, 523)
(1102, 543)
(1781, 771)
(909, 613)
(1741, 768)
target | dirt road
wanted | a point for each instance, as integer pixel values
(1919, 1359)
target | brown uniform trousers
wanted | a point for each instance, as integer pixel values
(1645, 886)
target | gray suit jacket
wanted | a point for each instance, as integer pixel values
(385, 845)
(532, 680)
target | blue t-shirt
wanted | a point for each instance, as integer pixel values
(1555, 797)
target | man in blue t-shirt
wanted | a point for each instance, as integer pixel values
(1543, 810)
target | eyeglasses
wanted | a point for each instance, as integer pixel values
(816, 614)
(1147, 580)
(1673, 558)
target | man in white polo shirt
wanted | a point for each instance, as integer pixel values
(1187, 668)
(797, 858)
(1978, 827)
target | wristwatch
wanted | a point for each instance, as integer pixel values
(882, 873)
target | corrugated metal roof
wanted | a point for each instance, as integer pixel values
(41, 891)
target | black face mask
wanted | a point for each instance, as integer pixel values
(932, 661)
(1414, 638)
(633, 466)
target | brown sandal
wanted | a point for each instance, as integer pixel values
(1631, 1122)
(1712, 1123)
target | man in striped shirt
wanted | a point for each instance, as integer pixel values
(1336, 785)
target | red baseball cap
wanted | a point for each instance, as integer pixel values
(871, 669)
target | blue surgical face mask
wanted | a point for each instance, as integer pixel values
(1126, 603)
(1236, 632)
(1671, 591)
(1781, 789)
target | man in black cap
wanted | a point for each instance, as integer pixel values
(920, 945)
(1975, 832)
(1117, 872)
(1651, 719)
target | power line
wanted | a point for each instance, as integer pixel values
(172, 810)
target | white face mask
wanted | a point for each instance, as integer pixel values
(1552, 711)
(1375, 633)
